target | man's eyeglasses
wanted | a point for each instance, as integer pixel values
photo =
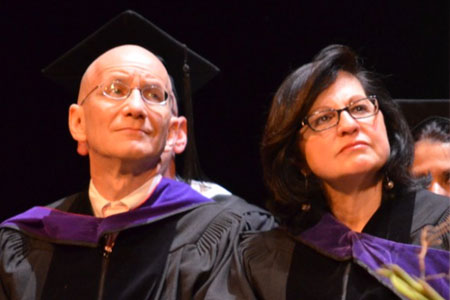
(118, 90)
(325, 119)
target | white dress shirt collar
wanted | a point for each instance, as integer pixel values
(104, 208)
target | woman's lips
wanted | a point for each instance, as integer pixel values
(354, 145)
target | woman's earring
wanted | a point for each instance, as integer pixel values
(306, 207)
(389, 184)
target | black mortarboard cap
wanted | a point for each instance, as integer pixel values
(189, 70)
(130, 28)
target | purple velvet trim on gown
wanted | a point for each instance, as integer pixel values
(335, 240)
(168, 198)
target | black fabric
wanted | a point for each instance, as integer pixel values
(363, 286)
(135, 266)
(137, 263)
(74, 273)
(393, 220)
(77, 203)
(81, 204)
(314, 276)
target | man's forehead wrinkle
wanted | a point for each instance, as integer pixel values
(130, 70)
(132, 57)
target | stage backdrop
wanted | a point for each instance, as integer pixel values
(256, 44)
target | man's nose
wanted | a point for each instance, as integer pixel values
(135, 103)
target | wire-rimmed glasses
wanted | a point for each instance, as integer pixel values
(118, 90)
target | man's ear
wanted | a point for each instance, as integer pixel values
(77, 126)
(181, 139)
(177, 139)
(82, 148)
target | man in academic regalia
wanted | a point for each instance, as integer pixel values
(133, 234)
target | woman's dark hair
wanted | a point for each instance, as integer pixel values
(433, 128)
(282, 160)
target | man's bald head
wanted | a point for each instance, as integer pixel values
(126, 55)
(130, 127)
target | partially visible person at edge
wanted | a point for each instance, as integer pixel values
(336, 154)
(432, 153)
(168, 165)
(133, 234)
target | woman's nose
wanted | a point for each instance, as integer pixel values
(347, 124)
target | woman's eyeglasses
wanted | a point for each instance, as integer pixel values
(325, 119)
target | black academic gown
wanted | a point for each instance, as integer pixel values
(173, 254)
(279, 265)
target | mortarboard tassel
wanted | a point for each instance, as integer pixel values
(192, 169)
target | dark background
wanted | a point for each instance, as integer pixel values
(256, 44)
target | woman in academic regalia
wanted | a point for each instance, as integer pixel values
(336, 153)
